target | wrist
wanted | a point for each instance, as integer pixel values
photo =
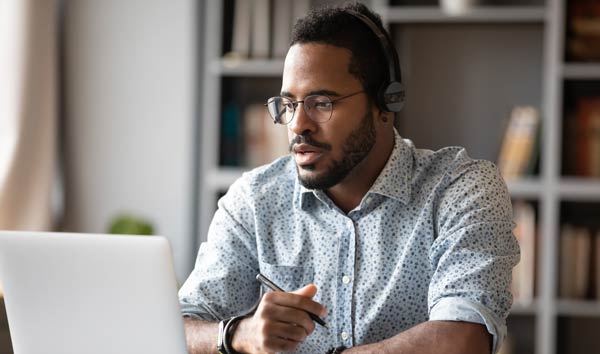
(239, 337)
(226, 329)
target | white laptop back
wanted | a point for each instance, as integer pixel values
(93, 294)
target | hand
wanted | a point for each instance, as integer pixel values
(280, 323)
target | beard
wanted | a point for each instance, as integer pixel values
(356, 147)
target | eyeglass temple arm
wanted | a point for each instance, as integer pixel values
(275, 119)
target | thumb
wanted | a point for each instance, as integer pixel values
(309, 290)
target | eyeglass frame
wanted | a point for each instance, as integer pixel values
(295, 105)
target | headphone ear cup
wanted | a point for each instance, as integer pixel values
(392, 96)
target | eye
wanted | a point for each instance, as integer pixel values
(289, 106)
(321, 103)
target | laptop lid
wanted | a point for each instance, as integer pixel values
(88, 293)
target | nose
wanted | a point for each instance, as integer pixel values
(301, 123)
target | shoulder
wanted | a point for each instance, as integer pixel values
(453, 165)
(457, 179)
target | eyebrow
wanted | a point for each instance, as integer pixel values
(314, 92)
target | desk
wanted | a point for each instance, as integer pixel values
(5, 344)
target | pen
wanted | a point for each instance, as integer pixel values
(264, 280)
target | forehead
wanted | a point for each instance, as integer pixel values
(311, 67)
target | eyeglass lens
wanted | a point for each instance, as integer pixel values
(282, 109)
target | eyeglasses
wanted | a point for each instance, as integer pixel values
(318, 107)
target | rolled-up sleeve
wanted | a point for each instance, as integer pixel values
(474, 252)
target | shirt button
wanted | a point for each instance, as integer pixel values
(345, 335)
(345, 279)
(350, 223)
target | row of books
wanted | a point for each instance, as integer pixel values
(519, 150)
(249, 137)
(582, 138)
(523, 277)
(583, 23)
(579, 269)
(579, 262)
(262, 28)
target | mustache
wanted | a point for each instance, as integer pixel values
(307, 139)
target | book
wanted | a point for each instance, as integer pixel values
(582, 138)
(230, 135)
(282, 27)
(523, 281)
(575, 251)
(583, 238)
(567, 252)
(264, 140)
(583, 41)
(588, 141)
(240, 42)
(519, 145)
(597, 264)
(261, 28)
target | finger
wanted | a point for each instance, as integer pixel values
(309, 290)
(274, 313)
(285, 331)
(277, 344)
(296, 301)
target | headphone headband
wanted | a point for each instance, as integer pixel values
(384, 43)
(391, 95)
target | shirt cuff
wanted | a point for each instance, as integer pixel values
(198, 312)
(460, 309)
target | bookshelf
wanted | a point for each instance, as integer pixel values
(488, 61)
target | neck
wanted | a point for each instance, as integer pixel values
(350, 191)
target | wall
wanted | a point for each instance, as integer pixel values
(129, 96)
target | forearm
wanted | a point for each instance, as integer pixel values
(433, 337)
(201, 336)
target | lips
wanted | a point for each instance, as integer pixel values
(306, 154)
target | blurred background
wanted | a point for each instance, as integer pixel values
(135, 116)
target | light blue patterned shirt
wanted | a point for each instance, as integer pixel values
(431, 240)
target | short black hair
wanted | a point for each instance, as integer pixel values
(334, 25)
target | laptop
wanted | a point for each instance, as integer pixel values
(89, 293)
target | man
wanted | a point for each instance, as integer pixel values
(399, 250)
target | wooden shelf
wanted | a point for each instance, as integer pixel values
(581, 71)
(579, 189)
(528, 187)
(580, 308)
(524, 310)
(251, 67)
(491, 14)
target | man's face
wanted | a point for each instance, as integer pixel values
(326, 153)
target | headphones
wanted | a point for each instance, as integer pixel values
(391, 95)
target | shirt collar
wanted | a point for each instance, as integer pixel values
(394, 179)
(392, 182)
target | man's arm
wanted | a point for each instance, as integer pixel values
(429, 337)
(201, 336)
(279, 324)
(446, 337)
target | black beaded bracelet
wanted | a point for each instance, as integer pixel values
(337, 350)
(226, 328)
